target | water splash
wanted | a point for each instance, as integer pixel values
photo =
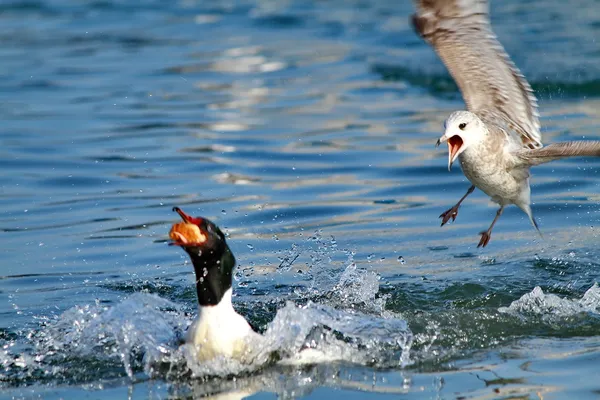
(143, 325)
(89, 342)
(341, 319)
(549, 305)
(308, 334)
(339, 335)
(345, 321)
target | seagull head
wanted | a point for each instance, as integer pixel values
(462, 129)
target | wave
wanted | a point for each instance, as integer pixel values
(551, 306)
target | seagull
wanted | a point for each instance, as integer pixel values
(497, 139)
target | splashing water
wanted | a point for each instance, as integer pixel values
(316, 333)
(142, 326)
(353, 326)
(346, 323)
(369, 340)
(551, 305)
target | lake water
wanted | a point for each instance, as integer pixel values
(306, 130)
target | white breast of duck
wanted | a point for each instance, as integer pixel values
(220, 331)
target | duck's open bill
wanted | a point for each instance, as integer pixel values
(187, 218)
(186, 233)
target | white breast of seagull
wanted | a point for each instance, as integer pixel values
(487, 169)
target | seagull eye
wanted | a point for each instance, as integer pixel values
(462, 126)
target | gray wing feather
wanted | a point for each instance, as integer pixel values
(556, 151)
(491, 85)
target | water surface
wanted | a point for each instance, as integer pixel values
(306, 130)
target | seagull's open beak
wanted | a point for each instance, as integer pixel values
(454, 145)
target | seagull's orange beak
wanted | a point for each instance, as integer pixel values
(455, 143)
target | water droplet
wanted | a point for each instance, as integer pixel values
(250, 247)
(223, 212)
(401, 260)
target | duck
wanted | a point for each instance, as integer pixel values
(218, 330)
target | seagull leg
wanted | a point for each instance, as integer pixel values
(487, 235)
(453, 212)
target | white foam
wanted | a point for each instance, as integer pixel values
(547, 304)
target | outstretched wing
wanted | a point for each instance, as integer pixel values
(556, 151)
(491, 85)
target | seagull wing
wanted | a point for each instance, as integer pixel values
(491, 85)
(556, 151)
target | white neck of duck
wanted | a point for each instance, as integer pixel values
(220, 331)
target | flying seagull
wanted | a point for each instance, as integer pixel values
(498, 139)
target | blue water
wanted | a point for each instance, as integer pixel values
(306, 130)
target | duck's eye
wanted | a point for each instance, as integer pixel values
(462, 126)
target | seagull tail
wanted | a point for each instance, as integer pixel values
(527, 209)
(535, 225)
(556, 151)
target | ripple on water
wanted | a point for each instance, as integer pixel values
(290, 116)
